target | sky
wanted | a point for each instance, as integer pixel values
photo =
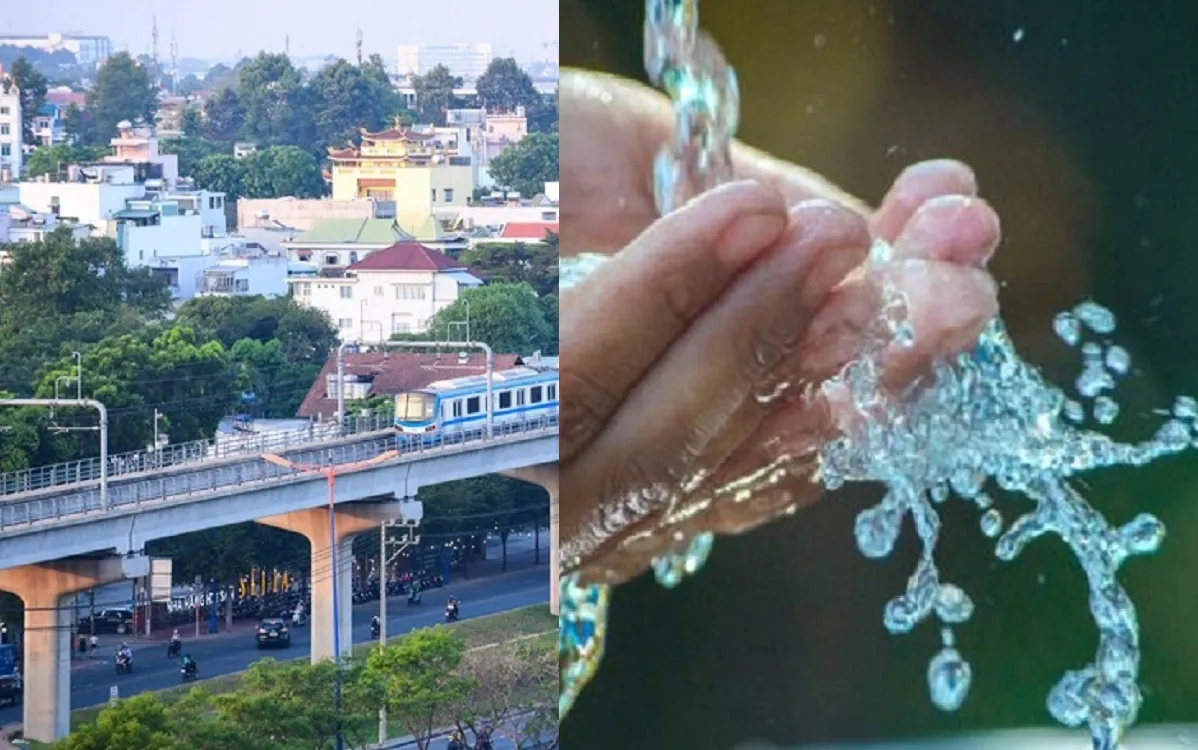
(219, 29)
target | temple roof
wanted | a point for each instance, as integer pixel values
(345, 152)
(394, 133)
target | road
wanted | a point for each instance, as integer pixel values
(219, 655)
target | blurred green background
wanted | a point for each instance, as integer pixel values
(1080, 118)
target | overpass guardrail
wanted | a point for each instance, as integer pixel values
(136, 492)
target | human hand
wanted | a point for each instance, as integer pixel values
(611, 130)
(673, 351)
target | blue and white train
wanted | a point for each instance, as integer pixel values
(451, 407)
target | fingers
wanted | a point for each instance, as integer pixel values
(914, 187)
(626, 314)
(704, 397)
(952, 228)
(794, 182)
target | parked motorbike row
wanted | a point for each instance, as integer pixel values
(369, 591)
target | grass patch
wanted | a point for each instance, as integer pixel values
(535, 620)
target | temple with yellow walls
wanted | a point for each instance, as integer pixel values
(402, 166)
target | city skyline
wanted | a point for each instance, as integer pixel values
(220, 29)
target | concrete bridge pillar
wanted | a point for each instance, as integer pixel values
(48, 617)
(350, 520)
(545, 475)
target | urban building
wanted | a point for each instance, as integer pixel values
(11, 136)
(389, 373)
(305, 213)
(394, 290)
(88, 50)
(466, 61)
(246, 273)
(138, 145)
(403, 166)
(19, 224)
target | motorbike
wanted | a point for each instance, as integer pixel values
(298, 619)
(188, 672)
(452, 613)
(374, 629)
(414, 598)
(173, 649)
(124, 664)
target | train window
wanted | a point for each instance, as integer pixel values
(473, 405)
(534, 395)
(551, 391)
(505, 399)
(519, 397)
(414, 407)
(457, 407)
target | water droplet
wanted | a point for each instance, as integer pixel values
(1095, 317)
(949, 677)
(1143, 534)
(1067, 328)
(1018, 35)
(1118, 360)
(1185, 407)
(991, 523)
(1074, 411)
(876, 530)
(1105, 410)
(953, 605)
(819, 41)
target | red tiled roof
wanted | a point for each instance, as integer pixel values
(406, 256)
(395, 372)
(78, 98)
(521, 230)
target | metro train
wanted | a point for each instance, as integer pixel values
(451, 407)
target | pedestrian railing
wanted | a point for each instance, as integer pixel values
(135, 492)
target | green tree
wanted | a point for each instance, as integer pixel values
(479, 506)
(528, 165)
(434, 94)
(305, 335)
(281, 171)
(516, 262)
(346, 97)
(226, 553)
(220, 76)
(543, 115)
(224, 116)
(190, 149)
(192, 122)
(291, 705)
(47, 159)
(75, 124)
(506, 316)
(505, 86)
(31, 86)
(418, 678)
(189, 85)
(221, 173)
(279, 386)
(124, 90)
(146, 722)
(272, 91)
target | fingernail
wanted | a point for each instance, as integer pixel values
(940, 168)
(953, 228)
(749, 235)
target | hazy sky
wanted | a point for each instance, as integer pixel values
(219, 28)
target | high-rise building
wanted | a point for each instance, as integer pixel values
(468, 61)
(88, 50)
(10, 129)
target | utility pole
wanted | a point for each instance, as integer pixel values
(154, 51)
(359, 46)
(84, 403)
(174, 64)
(389, 551)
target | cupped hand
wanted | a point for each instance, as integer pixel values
(688, 358)
(611, 130)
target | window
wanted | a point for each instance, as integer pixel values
(551, 392)
(212, 201)
(448, 195)
(353, 256)
(505, 399)
(347, 292)
(5, 149)
(409, 292)
(4, 128)
(534, 395)
(434, 195)
(457, 407)
(474, 405)
(332, 259)
(400, 323)
(414, 407)
(303, 290)
(520, 397)
(3, 110)
(549, 216)
(241, 285)
(345, 323)
(378, 291)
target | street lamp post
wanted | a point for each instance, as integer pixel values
(82, 403)
(418, 345)
(330, 472)
(384, 561)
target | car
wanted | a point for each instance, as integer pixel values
(273, 632)
(11, 689)
(112, 620)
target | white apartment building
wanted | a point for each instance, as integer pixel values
(467, 61)
(10, 129)
(89, 195)
(246, 275)
(88, 50)
(394, 290)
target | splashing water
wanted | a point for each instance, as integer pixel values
(985, 417)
